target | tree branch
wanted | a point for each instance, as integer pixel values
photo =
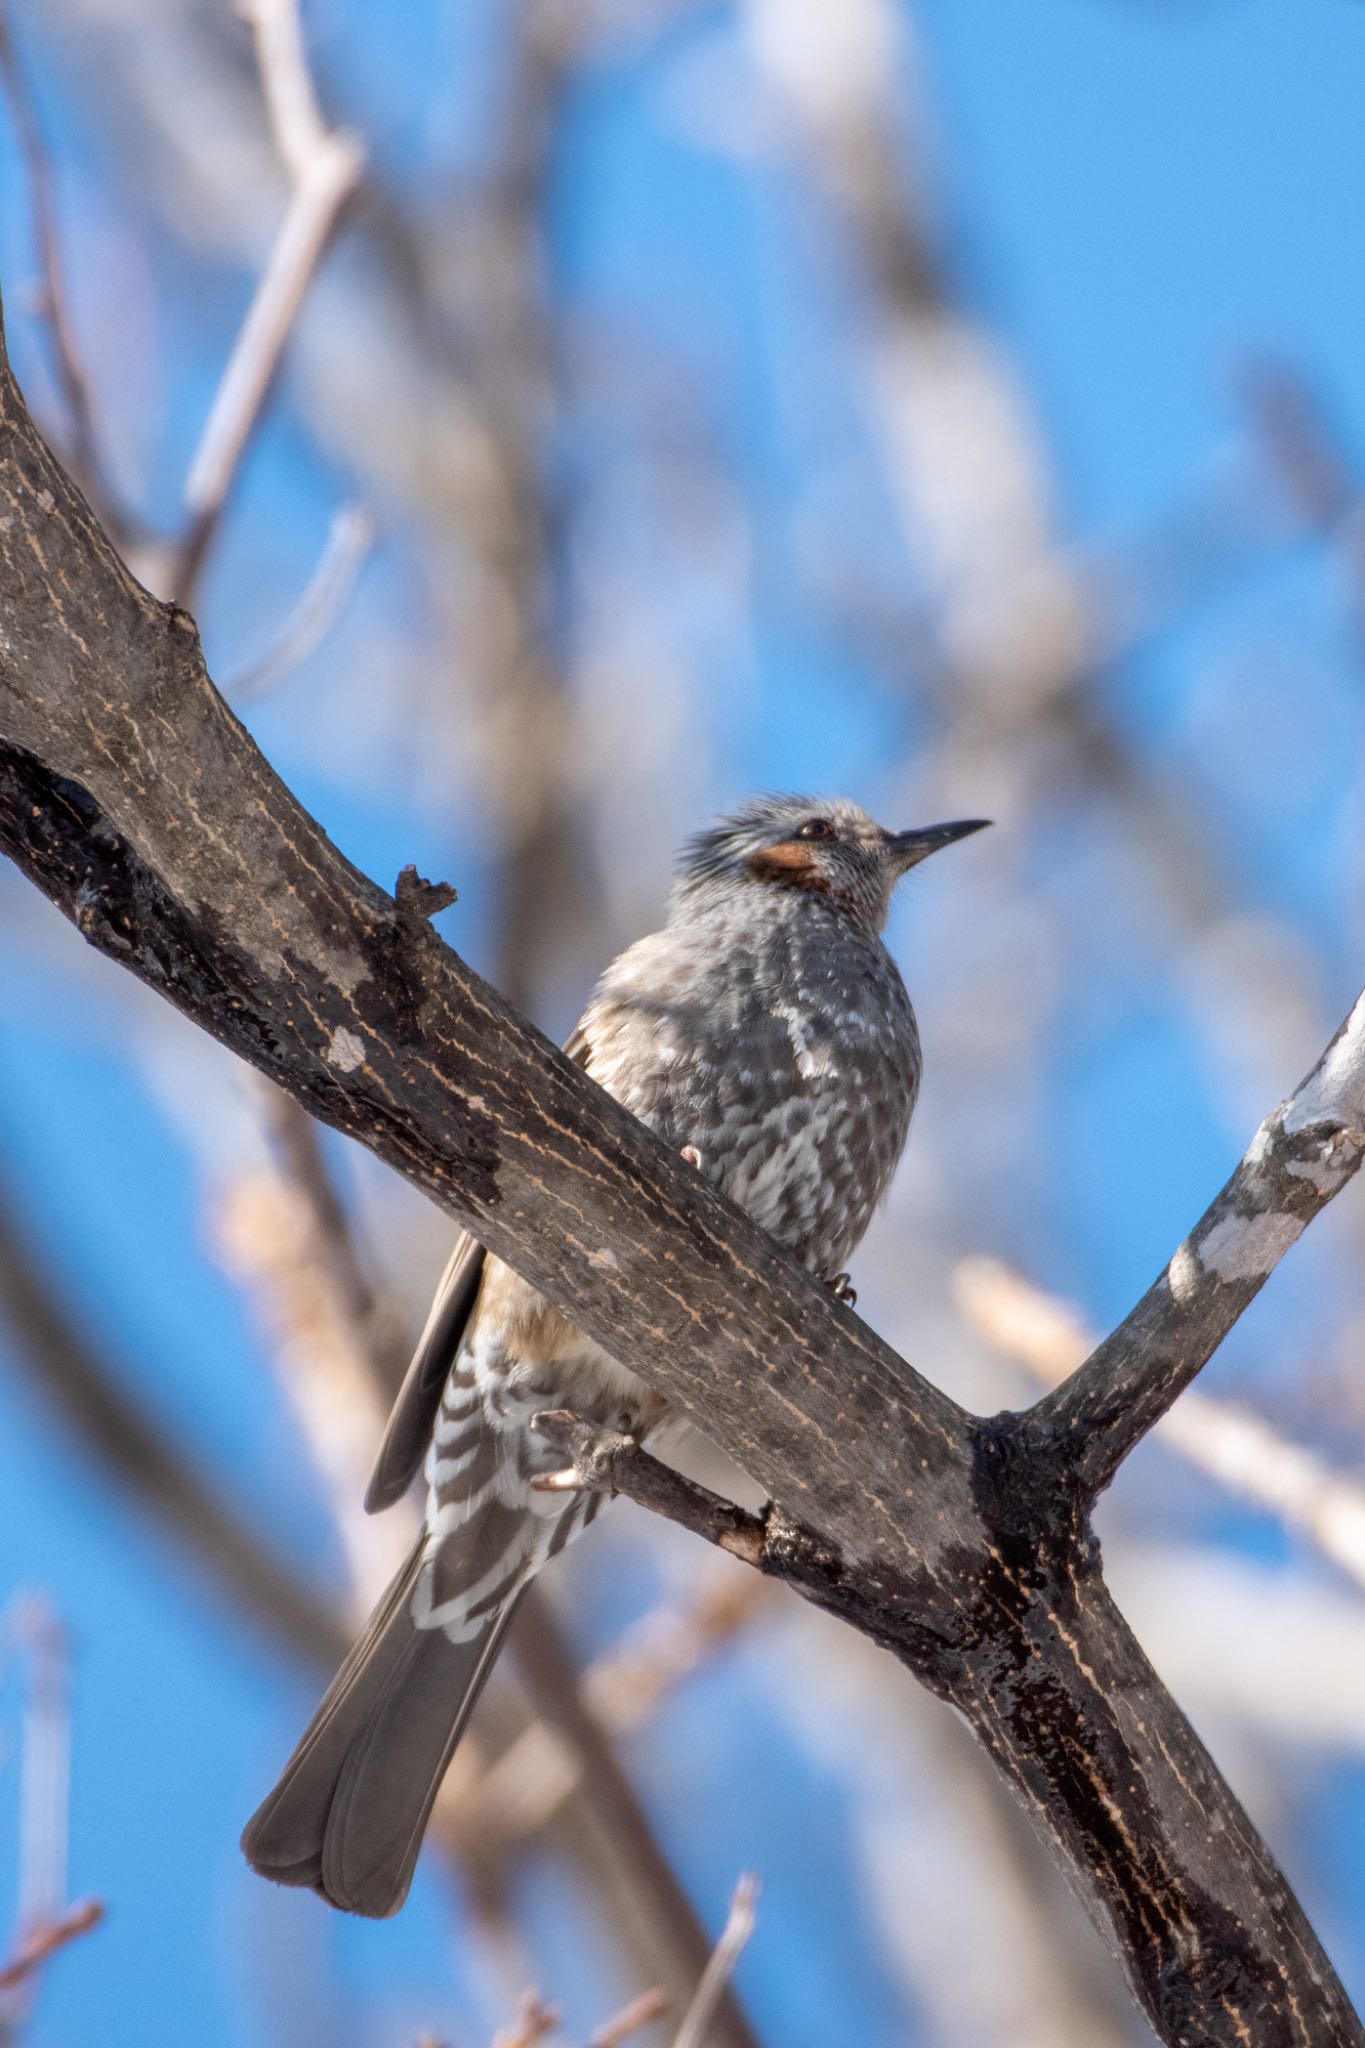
(316, 610)
(54, 310)
(649, 1893)
(1236, 1447)
(739, 1925)
(142, 807)
(605, 1461)
(1302, 1155)
(134, 799)
(45, 1941)
(324, 170)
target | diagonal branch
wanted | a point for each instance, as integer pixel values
(1234, 1445)
(739, 1925)
(324, 169)
(317, 609)
(55, 312)
(1302, 1155)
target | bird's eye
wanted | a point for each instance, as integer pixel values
(816, 828)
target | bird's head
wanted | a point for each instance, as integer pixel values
(825, 848)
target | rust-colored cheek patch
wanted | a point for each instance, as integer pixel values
(791, 863)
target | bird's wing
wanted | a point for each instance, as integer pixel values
(414, 1412)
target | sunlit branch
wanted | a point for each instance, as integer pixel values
(324, 169)
(1233, 1445)
(1302, 1155)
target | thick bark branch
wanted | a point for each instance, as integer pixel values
(1235, 1446)
(1302, 1155)
(135, 800)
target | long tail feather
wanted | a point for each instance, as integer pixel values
(348, 1813)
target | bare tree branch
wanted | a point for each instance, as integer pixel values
(625, 1685)
(648, 1891)
(534, 2023)
(641, 2012)
(53, 308)
(269, 1237)
(133, 798)
(378, 1333)
(1302, 1155)
(324, 169)
(738, 1927)
(1234, 1446)
(35, 1950)
(44, 1921)
(517, 1794)
(319, 606)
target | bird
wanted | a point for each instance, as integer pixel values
(765, 1032)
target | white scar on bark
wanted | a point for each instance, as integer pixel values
(345, 1050)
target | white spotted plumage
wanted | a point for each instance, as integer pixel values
(766, 1035)
(779, 1043)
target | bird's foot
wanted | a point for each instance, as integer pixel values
(691, 1155)
(842, 1288)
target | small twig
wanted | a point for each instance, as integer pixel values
(53, 308)
(533, 2023)
(1233, 1446)
(717, 1974)
(665, 1647)
(324, 169)
(418, 899)
(291, 101)
(45, 1941)
(650, 2005)
(45, 1792)
(1291, 423)
(1303, 1154)
(605, 1461)
(319, 606)
(44, 1922)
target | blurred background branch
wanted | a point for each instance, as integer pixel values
(32, 1636)
(49, 299)
(324, 169)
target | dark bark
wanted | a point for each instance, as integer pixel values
(132, 796)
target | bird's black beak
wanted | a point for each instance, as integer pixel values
(908, 849)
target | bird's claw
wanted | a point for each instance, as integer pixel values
(842, 1288)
